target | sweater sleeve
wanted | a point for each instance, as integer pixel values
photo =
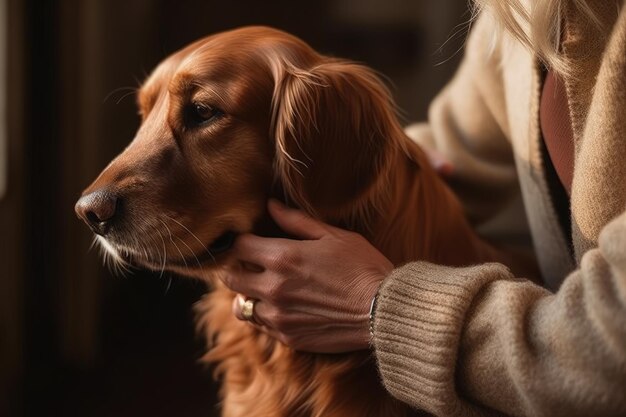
(477, 341)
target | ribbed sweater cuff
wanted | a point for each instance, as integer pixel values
(420, 313)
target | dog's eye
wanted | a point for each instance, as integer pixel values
(199, 114)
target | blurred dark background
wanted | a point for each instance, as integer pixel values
(74, 339)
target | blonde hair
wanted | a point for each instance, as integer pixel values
(537, 26)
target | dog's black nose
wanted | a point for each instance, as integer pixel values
(97, 209)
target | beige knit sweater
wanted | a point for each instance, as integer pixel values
(477, 340)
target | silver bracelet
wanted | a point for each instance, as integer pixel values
(372, 312)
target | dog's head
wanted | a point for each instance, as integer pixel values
(226, 123)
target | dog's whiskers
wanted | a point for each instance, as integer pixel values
(130, 90)
(164, 258)
(174, 243)
(94, 242)
(191, 251)
(169, 284)
(145, 251)
(150, 252)
(194, 236)
(111, 260)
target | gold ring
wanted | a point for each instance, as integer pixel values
(247, 309)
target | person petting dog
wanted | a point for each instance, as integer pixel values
(537, 111)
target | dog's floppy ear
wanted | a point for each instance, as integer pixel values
(334, 126)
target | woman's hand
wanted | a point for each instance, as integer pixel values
(313, 294)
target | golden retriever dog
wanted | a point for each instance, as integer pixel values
(232, 120)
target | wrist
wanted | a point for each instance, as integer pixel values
(368, 301)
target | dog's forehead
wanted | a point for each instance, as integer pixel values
(202, 56)
(161, 76)
(239, 53)
(241, 49)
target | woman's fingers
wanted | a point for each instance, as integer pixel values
(290, 327)
(263, 251)
(255, 250)
(243, 280)
(296, 222)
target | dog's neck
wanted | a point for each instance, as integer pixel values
(409, 214)
(420, 218)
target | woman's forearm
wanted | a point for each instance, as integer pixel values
(459, 341)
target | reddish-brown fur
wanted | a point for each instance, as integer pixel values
(316, 132)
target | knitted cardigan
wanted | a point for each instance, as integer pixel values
(477, 340)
